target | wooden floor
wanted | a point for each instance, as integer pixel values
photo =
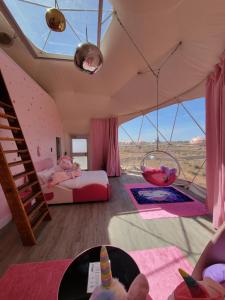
(76, 227)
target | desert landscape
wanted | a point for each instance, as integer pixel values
(190, 157)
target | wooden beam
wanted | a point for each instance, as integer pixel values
(100, 7)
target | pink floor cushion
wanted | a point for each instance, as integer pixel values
(215, 272)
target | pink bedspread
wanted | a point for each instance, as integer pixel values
(61, 176)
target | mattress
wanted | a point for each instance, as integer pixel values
(86, 178)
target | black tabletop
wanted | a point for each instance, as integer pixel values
(73, 285)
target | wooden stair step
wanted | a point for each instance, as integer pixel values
(3, 104)
(26, 185)
(17, 163)
(7, 116)
(26, 200)
(39, 220)
(23, 174)
(35, 209)
(11, 139)
(9, 127)
(15, 151)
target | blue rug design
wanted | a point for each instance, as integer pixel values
(156, 195)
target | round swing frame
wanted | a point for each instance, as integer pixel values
(166, 153)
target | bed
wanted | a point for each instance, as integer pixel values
(91, 186)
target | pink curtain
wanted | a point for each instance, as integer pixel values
(104, 146)
(215, 143)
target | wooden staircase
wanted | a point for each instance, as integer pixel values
(26, 201)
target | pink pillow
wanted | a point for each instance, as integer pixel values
(215, 272)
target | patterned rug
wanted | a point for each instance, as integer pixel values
(153, 195)
(153, 202)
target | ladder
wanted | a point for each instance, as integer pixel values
(26, 201)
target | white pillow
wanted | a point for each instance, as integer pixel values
(45, 175)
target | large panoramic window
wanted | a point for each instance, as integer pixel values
(81, 17)
(181, 133)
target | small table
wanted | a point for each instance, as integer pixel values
(73, 285)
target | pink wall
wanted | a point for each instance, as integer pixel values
(38, 117)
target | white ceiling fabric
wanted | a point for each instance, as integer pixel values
(157, 27)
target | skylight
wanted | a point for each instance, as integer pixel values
(81, 17)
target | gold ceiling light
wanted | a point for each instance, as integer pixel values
(55, 20)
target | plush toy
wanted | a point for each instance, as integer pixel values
(112, 289)
(207, 289)
(215, 272)
(65, 163)
(168, 172)
(76, 166)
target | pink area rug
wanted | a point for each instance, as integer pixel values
(33, 281)
(167, 210)
(160, 266)
(40, 281)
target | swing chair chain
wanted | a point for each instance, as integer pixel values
(157, 107)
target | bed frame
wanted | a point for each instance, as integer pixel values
(60, 195)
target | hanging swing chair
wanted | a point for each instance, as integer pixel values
(164, 175)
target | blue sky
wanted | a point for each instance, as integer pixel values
(185, 128)
(31, 19)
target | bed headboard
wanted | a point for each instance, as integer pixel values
(43, 164)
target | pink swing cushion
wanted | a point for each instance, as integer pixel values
(159, 177)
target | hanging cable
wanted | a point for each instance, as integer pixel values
(156, 74)
(33, 3)
(134, 44)
(196, 175)
(71, 27)
(48, 36)
(139, 135)
(175, 119)
(192, 117)
(108, 17)
(130, 137)
(171, 53)
(161, 134)
(73, 30)
(86, 34)
(157, 108)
